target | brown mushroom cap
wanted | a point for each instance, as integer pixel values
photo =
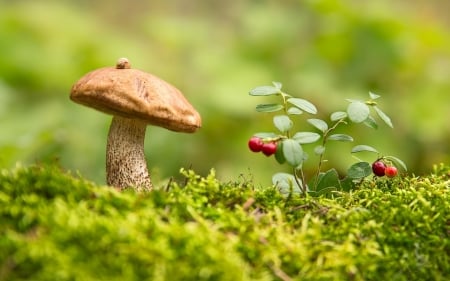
(132, 93)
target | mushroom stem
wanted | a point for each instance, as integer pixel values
(125, 161)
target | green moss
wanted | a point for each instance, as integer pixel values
(55, 226)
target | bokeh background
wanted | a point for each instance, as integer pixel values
(215, 52)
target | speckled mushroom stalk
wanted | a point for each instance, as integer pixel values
(125, 159)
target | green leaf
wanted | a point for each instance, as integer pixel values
(286, 183)
(277, 85)
(303, 105)
(294, 111)
(319, 150)
(357, 111)
(264, 135)
(306, 137)
(319, 124)
(347, 184)
(282, 122)
(269, 107)
(323, 192)
(328, 179)
(359, 170)
(397, 162)
(264, 91)
(383, 117)
(373, 96)
(340, 137)
(293, 152)
(363, 147)
(279, 156)
(371, 123)
(338, 115)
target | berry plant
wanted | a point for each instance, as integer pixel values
(287, 146)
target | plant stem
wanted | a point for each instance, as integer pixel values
(319, 167)
(324, 142)
(299, 180)
(302, 182)
(283, 95)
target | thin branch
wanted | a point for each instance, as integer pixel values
(325, 138)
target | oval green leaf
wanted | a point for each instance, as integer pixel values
(286, 183)
(363, 147)
(277, 85)
(373, 96)
(338, 115)
(397, 162)
(319, 150)
(357, 111)
(359, 170)
(347, 184)
(294, 111)
(319, 124)
(279, 156)
(383, 117)
(282, 123)
(264, 91)
(306, 137)
(303, 105)
(264, 135)
(371, 123)
(340, 137)
(293, 152)
(328, 179)
(269, 107)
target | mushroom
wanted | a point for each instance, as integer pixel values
(135, 99)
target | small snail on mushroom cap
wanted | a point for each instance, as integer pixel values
(135, 99)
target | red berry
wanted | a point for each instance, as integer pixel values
(255, 144)
(269, 148)
(378, 168)
(390, 171)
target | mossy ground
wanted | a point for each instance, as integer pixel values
(56, 226)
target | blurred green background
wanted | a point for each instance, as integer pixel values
(215, 52)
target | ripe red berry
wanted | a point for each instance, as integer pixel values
(390, 171)
(269, 148)
(378, 168)
(255, 144)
